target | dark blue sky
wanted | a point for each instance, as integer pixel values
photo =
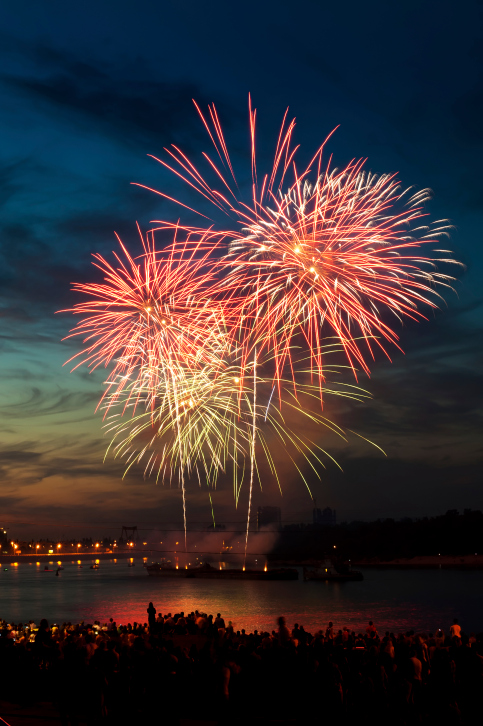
(88, 90)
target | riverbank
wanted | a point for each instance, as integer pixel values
(66, 557)
(462, 562)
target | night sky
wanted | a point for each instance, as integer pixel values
(89, 89)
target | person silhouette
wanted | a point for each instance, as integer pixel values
(151, 616)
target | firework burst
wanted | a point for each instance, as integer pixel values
(214, 409)
(152, 314)
(204, 421)
(331, 256)
(199, 336)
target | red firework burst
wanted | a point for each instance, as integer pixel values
(327, 257)
(152, 315)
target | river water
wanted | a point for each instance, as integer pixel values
(422, 600)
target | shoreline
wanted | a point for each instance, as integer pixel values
(73, 557)
(461, 562)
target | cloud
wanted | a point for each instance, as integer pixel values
(105, 98)
(432, 394)
(40, 402)
(408, 488)
(70, 458)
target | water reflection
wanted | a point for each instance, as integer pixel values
(423, 600)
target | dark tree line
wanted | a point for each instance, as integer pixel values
(448, 534)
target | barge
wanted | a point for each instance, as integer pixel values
(327, 571)
(207, 572)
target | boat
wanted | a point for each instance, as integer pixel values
(328, 571)
(94, 567)
(208, 572)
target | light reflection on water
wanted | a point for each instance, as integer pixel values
(395, 600)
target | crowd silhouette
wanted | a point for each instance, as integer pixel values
(199, 667)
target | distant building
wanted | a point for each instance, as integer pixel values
(3, 540)
(325, 517)
(269, 516)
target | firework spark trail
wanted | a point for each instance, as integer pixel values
(269, 402)
(181, 468)
(303, 257)
(252, 452)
